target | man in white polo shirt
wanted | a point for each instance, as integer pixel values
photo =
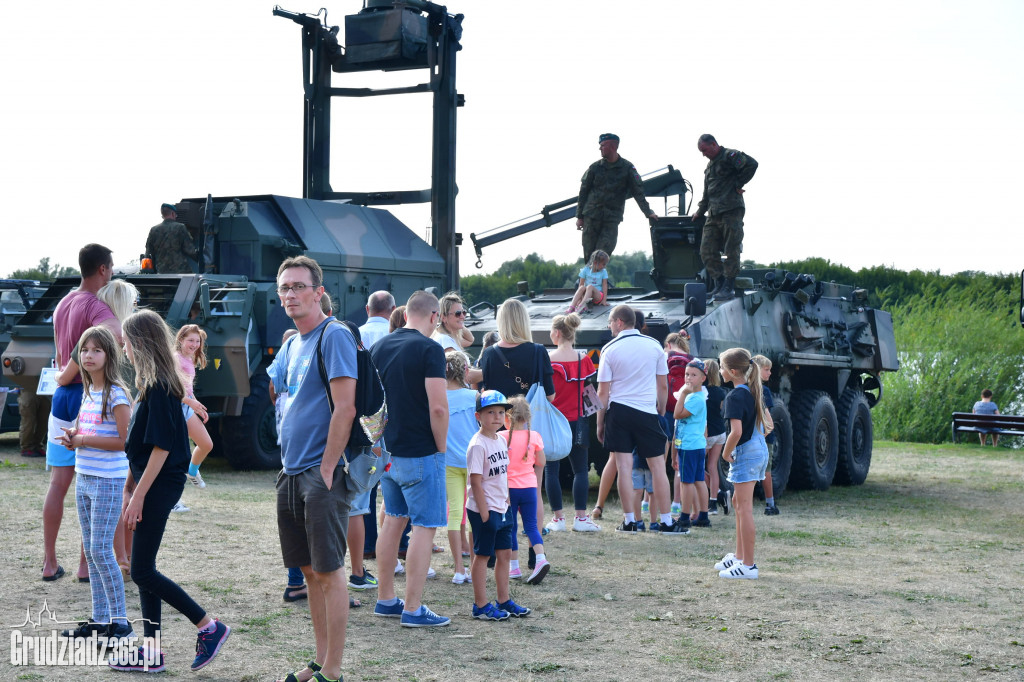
(632, 382)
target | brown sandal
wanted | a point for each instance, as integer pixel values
(597, 513)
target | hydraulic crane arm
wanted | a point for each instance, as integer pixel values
(663, 183)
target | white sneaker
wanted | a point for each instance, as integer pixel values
(677, 509)
(179, 507)
(196, 480)
(740, 572)
(399, 568)
(555, 525)
(431, 573)
(462, 579)
(585, 525)
(645, 507)
(727, 562)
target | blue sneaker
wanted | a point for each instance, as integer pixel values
(490, 612)
(208, 644)
(640, 527)
(393, 611)
(655, 527)
(423, 618)
(514, 609)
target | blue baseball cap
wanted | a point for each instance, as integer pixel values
(699, 364)
(491, 399)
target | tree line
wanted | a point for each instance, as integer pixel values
(956, 334)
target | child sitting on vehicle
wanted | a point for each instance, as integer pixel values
(593, 284)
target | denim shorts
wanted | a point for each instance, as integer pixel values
(642, 480)
(496, 534)
(187, 411)
(750, 460)
(414, 487)
(360, 505)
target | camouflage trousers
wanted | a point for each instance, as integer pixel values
(599, 235)
(35, 412)
(723, 233)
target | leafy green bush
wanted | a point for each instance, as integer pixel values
(956, 336)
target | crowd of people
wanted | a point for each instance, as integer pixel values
(465, 454)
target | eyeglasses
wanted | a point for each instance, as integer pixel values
(458, 313)
(297, 288)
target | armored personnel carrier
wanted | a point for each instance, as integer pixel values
(16, 296)
(242, 240)
(827, 346)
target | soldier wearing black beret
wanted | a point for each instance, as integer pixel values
(603, 192)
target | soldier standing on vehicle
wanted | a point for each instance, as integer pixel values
(169, 243)
(727, 172)
(603, 192)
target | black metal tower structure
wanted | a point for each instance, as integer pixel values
(386, 35)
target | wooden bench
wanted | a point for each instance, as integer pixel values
(1001, 424)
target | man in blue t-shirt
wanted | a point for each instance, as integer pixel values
(411, 367)
(313, 500)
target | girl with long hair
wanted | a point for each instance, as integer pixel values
(747, 454)
(101, 469)
(190, 348)
(158, 457)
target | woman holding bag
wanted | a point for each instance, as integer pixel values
(515, 363)
(571, 370)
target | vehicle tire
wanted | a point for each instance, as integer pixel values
(815, 440)
(250, 439)
(780, 453)
(856, 435)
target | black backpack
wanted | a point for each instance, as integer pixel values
(371, 409)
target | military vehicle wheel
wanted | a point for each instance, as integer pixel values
(780, 453)
(856, 435)
(250, 440)
(815, 440)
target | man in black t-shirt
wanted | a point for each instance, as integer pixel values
(412, 369)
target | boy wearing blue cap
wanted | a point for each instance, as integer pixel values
(487, 509)
(691, 444)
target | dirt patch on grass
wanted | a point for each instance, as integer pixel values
(915, 574)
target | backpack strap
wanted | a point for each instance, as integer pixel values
(323, 372)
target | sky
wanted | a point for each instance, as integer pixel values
(887, 132)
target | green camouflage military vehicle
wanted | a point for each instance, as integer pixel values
(242, 241)
(16, 296)
(827, 346)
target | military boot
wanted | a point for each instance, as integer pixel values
(719, 283)
(727, 292)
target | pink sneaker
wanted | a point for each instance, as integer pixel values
(515, 574)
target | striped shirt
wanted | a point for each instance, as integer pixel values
(102, 463)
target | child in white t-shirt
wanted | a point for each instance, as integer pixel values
(487, 509)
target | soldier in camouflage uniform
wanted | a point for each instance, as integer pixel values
(169, 243)
(603, 192)
(727, 172)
